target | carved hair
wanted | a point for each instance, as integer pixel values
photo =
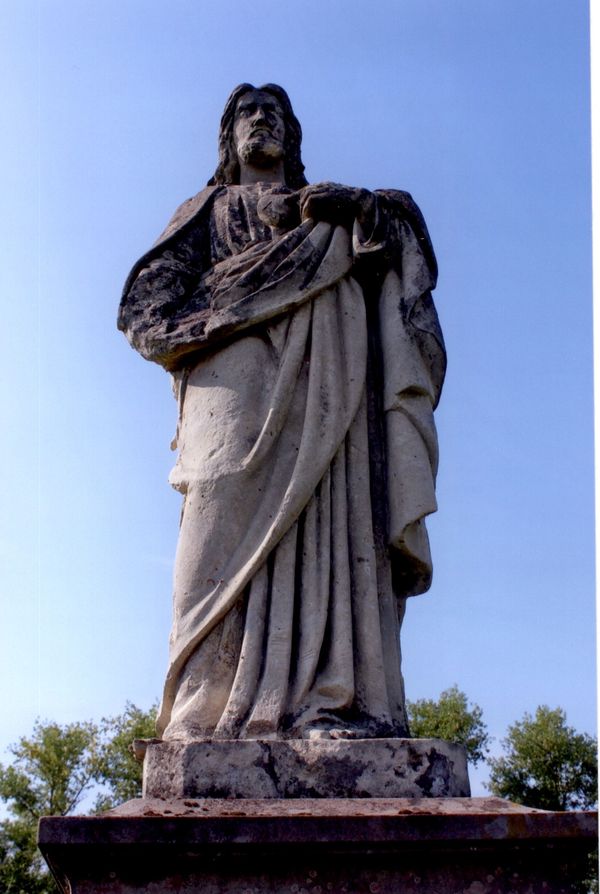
(228, 169)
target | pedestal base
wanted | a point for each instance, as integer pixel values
(301, 768)
(316, 846)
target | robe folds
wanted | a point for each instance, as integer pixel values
(307, 363)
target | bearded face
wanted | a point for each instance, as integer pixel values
(259, 129)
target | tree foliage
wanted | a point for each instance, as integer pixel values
(546, 764)
(452, 718)
(22, 870)
(118, 770)
(51, 772)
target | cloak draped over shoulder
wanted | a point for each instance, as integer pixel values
(307, 364)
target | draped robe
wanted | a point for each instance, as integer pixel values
(307, 363)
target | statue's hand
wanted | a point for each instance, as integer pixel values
(336, 204)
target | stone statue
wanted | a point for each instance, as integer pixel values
(306, 355)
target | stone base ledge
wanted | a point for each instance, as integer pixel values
(300, 768)
(317, 846)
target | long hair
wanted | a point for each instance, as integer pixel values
(228, 169)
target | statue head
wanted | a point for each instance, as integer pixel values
(228, 169)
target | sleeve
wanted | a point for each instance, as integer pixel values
(393, 211)
(398, 208)
(161, 313)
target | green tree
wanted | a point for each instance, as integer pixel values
(22, 870)
(451, 717)
(51, 772)
(118, 770)
(546, 764)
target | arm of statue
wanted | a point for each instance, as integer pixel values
(376, 219)
(397, 209)
(388, 234)
(338, 204)
(162, 314)
(411, 258)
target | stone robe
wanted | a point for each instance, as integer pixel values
(307, 361)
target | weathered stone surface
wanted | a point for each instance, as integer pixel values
(350, 846)
(297, 768)
(307, 357)
(328, 807)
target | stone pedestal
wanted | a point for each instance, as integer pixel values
(384, 816)
(320, 845)
(300, 768)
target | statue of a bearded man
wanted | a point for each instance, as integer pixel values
(298, 325)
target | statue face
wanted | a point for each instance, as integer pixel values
(258, 128)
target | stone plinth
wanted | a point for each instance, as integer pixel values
(299, 768)
(316, 846)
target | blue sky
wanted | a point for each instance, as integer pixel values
(480, 109)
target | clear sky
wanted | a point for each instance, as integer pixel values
(480, 109)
